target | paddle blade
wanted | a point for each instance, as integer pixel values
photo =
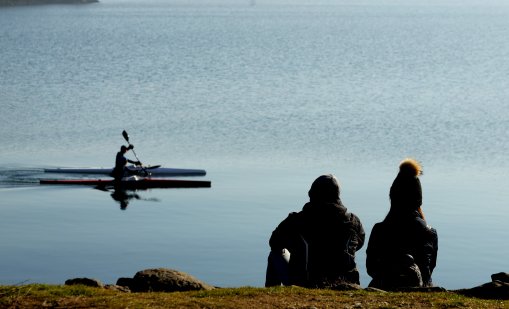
(125, 135)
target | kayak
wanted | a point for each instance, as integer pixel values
(133, 182)
(152, 170)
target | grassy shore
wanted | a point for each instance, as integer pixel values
(58, 296)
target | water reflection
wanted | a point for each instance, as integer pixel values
(12, 177)
(124, 196)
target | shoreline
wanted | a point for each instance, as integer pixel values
(167, 280)
(80, 296)
(170, 288)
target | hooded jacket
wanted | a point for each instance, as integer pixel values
(322, 238)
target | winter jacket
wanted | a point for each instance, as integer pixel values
(396, 247)
(322, 240)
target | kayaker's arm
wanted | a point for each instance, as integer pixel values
(131, 146)
(134, 162)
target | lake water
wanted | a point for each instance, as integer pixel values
(265, 96)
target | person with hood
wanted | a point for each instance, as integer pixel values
(402, 249)
(316, 247)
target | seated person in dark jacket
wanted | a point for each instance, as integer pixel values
(316, 246)
(402, 250)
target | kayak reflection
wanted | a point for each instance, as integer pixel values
(122, 190)
(131, 183)
(125, 196)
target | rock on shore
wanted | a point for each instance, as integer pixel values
(498, 288)
(163, 280)
(150, 280)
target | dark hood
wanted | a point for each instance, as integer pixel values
(325, 189)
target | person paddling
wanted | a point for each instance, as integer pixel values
(120, 169)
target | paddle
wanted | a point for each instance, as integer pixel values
(126, 137)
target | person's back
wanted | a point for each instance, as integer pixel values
(401, 254)
(333, 238)
(322, 240)
(402, 250)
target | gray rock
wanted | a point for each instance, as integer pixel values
(421, 289)
(504, 277)
(490, 290)
(166, 280)
(344, 286)
(118, 288)
(85, 281)
(125, 282)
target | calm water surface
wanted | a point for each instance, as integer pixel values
(265, 97)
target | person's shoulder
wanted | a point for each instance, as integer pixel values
(293, 216)
(293, 220)
(379, 227)
(431, 231)
(421, 225)
(353, 218)
(352, 222)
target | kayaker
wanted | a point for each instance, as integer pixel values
(120, 170)
(402, 249)
(316, 247)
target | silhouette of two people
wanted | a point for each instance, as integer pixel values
(316, 247)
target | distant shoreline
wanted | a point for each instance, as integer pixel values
(40, 2)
